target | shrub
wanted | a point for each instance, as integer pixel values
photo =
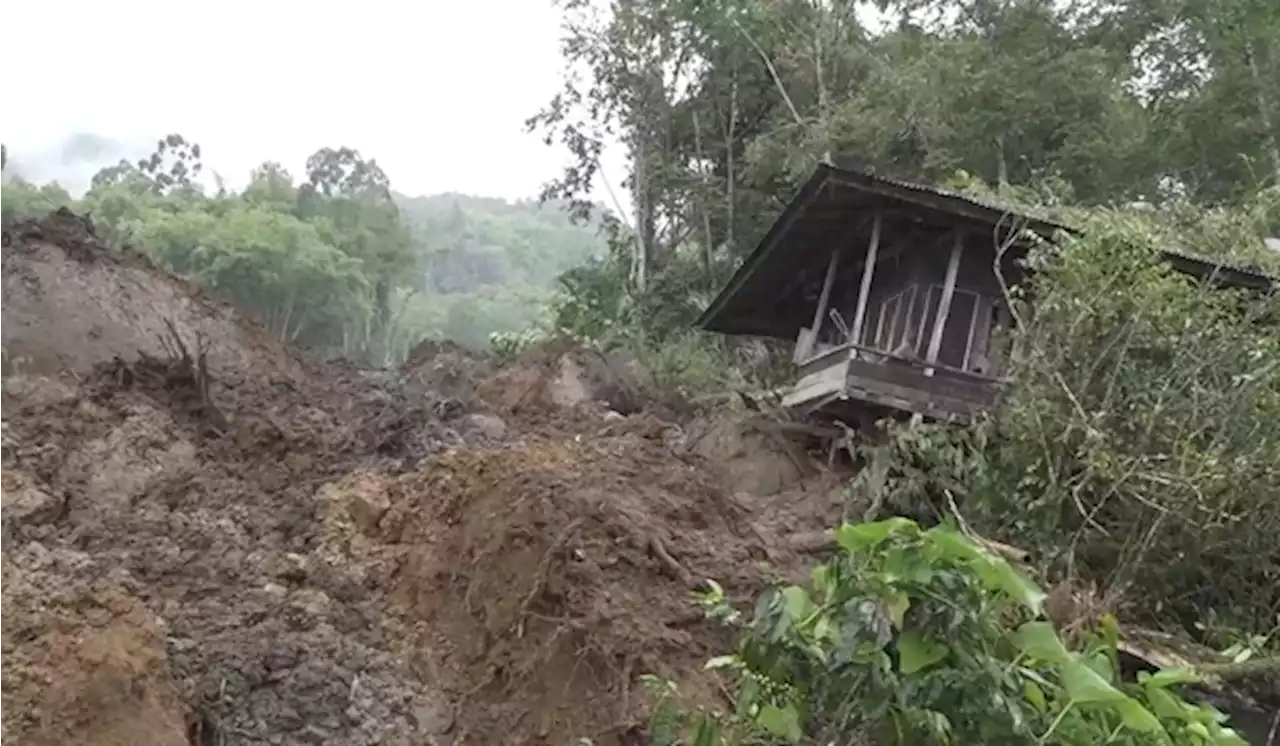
(910, 636)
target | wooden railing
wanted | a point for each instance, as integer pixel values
(828, 357)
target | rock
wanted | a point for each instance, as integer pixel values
(752, 458)
(26, 504)
(490, 426)
(314, 603)
(449, 408)
(39, 391)
(368, 503)
(433, 719)
(288, 567)
(569, 388)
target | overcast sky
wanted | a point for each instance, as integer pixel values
(437, 91)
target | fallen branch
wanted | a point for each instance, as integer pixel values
(197, 367)
(1254, 668)
(1157, 650)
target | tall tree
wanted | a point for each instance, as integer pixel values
(354, 194)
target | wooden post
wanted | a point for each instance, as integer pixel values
(819, 313)
(944, 303)
(868, 269)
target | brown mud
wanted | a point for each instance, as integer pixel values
(212, 539)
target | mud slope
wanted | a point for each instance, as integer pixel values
(534, 583)
(167, 529)
(284, 551)
(120, 489)
(70, 303)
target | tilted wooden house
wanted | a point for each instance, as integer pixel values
(891, 294)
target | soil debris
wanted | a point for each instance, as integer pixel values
(210, 538)
(535, 582)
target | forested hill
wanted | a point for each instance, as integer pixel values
(335, 260)
(488, 265)
(472, 242)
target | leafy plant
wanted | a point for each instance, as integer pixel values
(508, 345)
(911, 636)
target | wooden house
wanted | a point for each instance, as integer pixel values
(891, 294)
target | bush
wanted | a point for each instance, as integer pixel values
(910, 636)
(1141, 437)
(596, 307)
(1138, 445)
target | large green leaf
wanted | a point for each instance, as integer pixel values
(1137, 717)
(897, 605)
(1085, 686)
(856, 538)
(996, 573)
(783, 722)
(1040, 640)
(1168, 677)
(916, 652)
(798, 604)
(1034, 695)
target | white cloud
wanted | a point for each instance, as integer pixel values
(437, 91)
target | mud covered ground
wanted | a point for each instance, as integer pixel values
(268, 549)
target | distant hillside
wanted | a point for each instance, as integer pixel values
(473, 242)
(488, 265)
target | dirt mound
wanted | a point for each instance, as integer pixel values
(561, 376)
(446, 369)
(212, 539)
(534, 583)
(71, 303)
(209, 524)
(752, 454)
(84, 664)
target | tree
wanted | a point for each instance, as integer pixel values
(172, 165)
(271, 185)
(354, 196)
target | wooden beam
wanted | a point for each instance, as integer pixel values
(820, 313)
(944, 303)
(868, 270)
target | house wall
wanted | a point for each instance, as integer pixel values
(905, 296)
(889, 277)
(902, 305)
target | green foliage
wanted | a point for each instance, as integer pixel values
(909, 636)
(1139, 441)
(598, 305)
(1144, 401)
(338, 263)
(21, 200)
(489, 266)
(723, 107)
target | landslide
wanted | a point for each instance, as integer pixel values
(212, 539)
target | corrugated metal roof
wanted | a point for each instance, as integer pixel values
(1235, 265)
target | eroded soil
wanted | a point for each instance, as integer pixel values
(269, 549)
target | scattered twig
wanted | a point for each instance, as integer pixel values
(659, 550)
(197, 367)
(540, 575)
